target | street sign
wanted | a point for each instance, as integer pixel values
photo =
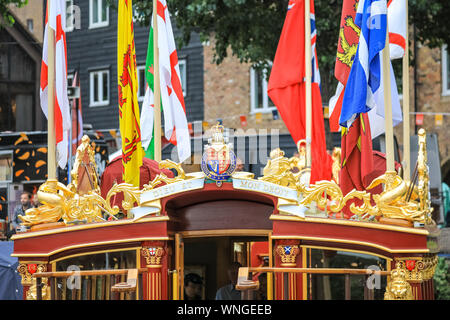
(73, 92)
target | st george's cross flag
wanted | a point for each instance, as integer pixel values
(348, 42)
(287, 87)
(173, 106)
(55, 21)
(129, 123)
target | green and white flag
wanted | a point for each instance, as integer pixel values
(172, 100)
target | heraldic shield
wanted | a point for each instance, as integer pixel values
(218, 161)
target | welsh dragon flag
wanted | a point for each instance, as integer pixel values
(172, 100)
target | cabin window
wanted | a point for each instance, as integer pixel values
(259, 100)
(6, 166)
(445, 71)
(94, 287)
(99, 86)
(98, 13)
(334, 286)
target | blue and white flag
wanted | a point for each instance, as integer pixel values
(366, 74)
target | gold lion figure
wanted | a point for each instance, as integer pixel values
(398, 288)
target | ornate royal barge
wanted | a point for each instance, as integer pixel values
(76, 247)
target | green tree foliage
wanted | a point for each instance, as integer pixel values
(251, 28)
(4, 9)
(442, 280)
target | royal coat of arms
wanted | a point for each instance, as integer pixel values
(218, 161)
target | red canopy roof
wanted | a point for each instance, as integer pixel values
(113, 174)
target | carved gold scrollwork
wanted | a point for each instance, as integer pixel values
(288, 255)
(29, 280)
(320, 192)
(418, 269)
(80, 200)
(153, 256)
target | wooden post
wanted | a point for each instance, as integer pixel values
(308, 75)
(389, 134)
(157, 88)
(348, 292)
(38, 288)
(406, 126)
(51, 138)
(270, 274)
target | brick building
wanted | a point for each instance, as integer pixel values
(32, 16)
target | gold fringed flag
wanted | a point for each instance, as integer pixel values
(132, 152)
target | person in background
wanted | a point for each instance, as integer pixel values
(192, 287)
(229, 292)
(239, 165)
(14, 221)
(261, 293)
(35, 201)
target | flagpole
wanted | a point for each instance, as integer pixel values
(406, 125)
(389, 133)
(156, 89)
(51, 138)
(308, 75)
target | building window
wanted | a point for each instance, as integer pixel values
(6, 167)
(259, 99)
(30, 25)
(99, 86)
(69, 16)
(69, 79)
(445, 71)
(98, 13)
(142, 84)
(183, 75)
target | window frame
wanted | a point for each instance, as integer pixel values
(140, 95)
(183, 83)
(11, 156)
(444, 70)
(100, 103)
(99, 24)
(265, 97)
(71, 27)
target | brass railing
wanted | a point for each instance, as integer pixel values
(93, 285)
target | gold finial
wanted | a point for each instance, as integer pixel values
(217, 134)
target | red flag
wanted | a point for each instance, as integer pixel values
(356, 159)
(286, 89)
(346, 50)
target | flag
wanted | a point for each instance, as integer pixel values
(173, 106)
(55, 21)
(77, 116)
(419, 119)
(127, 85)
(347, 46)
(397, 28)
(365, 75)
(287, 87)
